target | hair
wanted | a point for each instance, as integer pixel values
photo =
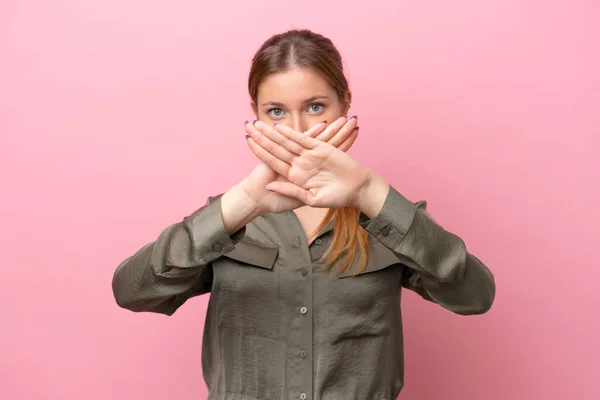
(304, 48)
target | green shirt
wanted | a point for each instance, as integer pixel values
(279, 325)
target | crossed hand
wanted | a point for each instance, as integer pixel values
(313, 167)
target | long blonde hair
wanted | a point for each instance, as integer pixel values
(308, 49)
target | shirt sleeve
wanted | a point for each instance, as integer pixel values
(439, 267)
(163, 274)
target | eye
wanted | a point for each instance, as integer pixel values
(315, 108)
(275, 112)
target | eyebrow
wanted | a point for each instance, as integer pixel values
(309, 100)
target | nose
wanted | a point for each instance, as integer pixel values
(299, 124)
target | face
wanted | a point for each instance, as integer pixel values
(298, 98)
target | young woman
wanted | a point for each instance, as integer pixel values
(305, 258)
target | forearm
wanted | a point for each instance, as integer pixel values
(159, 272)
(442, 268)
(160, 276)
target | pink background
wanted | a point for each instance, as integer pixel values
(120, 117)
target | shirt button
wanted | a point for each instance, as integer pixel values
(303, 310)
(303, 353)
(218, 248)
(386, 232)
(318, 241)
(304, 271)
(302, 396)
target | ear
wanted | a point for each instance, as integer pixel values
(254, 108)
(347, 101)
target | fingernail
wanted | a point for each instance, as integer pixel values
(254, 122)
(245, 122)
(357, 128)
(355, 116)
(323, 122)
(275, 124)
(247, 137)
(267, 187)
(346, 116)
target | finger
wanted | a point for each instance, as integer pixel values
(306, 142)
(290, 190)
(343, 133)
(281, 167)
(345, 146)
(332, 129)
(269, 145)
(317, 129)
(282, 140)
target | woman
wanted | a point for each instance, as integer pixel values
(305, 258)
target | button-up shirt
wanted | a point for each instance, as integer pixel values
(279, 325)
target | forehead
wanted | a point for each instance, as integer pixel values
(293, 86)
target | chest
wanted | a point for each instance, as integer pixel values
(265, 288)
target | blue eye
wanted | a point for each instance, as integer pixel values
(276, 112)
(315, 108)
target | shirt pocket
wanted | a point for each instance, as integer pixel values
(245, 289)
(366, 304)
(381, 258)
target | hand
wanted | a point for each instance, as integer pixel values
(318, 174)
(340, 134)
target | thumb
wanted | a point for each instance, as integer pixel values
(290, 190)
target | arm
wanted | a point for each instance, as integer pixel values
(440, 268)
(162, 275)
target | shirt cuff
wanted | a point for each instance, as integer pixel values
(208, 232)
(393, 221)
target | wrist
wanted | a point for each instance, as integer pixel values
(238, 208)
(372, 195)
